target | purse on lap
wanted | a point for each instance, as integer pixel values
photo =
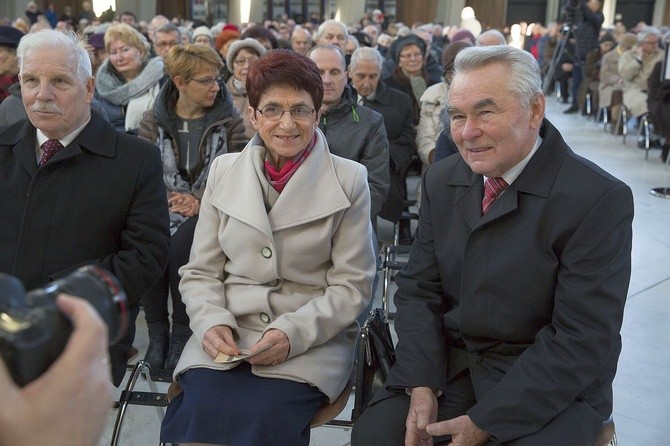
(375, 354)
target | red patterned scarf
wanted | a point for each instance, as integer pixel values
(5, 83)
(279, 178)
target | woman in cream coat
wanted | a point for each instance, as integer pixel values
(282, 264)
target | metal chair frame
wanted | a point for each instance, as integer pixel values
(391, 265)
(132, 397)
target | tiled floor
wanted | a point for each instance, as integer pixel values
(642, 386)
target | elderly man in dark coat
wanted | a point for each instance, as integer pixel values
(74, 191)
(396, 109)
(510, 308)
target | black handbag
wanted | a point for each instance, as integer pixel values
(375, 355)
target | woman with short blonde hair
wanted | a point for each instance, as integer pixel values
(129, 80)
(192, 121)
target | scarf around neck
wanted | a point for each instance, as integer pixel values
(279, 178)
(113, 89)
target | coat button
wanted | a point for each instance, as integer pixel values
(265, 318)
(266, 252)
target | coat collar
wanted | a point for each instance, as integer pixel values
(382, 95)
(313, 192)
(98, 137)
(536, 179)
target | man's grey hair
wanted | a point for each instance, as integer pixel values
(52, 40)
(366, 53)
(322, 27)
(299, 29)
(328, 46)
(494, 34)
(649, 31)
(524, 78)
(169, 28)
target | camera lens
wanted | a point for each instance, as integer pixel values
(100, 288)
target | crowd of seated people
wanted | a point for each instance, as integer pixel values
(206, 111)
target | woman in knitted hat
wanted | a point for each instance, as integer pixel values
(410, 75)
(241, 54)
(203, 36)
(9, 66)
(222, 43)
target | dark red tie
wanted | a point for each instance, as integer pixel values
(50, 147)
(492, 188)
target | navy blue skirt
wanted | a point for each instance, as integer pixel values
(237, 408)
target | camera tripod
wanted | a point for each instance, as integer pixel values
(565, 35)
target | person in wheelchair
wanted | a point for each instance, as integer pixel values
(281, 266)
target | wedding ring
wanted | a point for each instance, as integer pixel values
(274, 360)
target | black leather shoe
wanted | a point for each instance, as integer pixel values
(405, 232)
(180, 335)
(159, 343)
(572, 109)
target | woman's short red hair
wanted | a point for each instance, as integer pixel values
(284, 68)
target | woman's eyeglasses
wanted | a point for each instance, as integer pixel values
(208, 81)
(411, 56)
(275, 113)
(243, 61)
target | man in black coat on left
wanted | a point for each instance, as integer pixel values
(99, 200)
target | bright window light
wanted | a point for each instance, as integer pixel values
(100, 6)
(245, 11)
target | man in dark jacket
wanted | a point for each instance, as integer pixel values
(74, 191)
(396, 109)
(352, 131)
(588, 18)
(510, 308)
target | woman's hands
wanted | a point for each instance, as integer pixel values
(275, 354)
(220, 339)
(185, 204)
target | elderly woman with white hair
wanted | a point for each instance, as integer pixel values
(129, 80)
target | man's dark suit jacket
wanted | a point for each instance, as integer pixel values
(530, 296)
(396, 108)
(99, 200)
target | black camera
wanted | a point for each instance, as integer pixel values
(569, 11)
(33, 332)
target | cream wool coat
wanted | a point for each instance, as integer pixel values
(305, 267)
(635, 77)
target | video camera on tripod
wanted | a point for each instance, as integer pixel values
(33, 332)
(569, 11)
(568, 16)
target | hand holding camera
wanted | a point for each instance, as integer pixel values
(33, 332)
(71, 400)
(68, 337)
